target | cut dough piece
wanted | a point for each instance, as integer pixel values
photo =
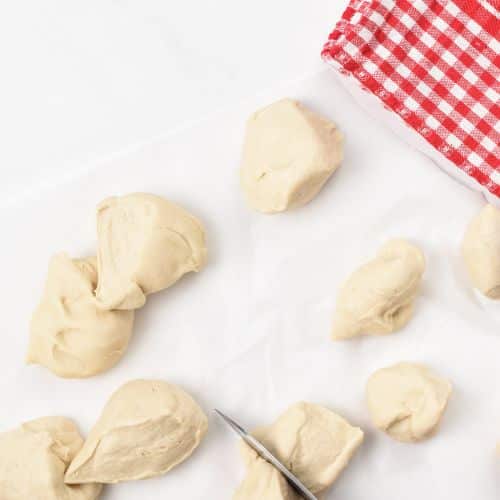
(264, 482)
(34, 458)
(481, 251)
(378, 297)
(311, 441)
(146, 244)
(407, 401)
(146, 428)
(70, 334)
(288, 155)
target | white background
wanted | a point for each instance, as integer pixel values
(79, 80)
(250, 333)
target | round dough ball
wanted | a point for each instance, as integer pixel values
(34, 458)
(407, 401)
(378, 297)
(70, 334)
(264, 482)
(146, 244)
(288, 155)
(310, 440)
(481, 251)
(146, 428)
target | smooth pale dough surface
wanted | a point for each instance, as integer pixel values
(288, 154)
(70, 334)
(313, 442)
(407, 400)
(146, 428)
(145, 244)
(481, 251)
(378, 297)
(264, 482)
(34, 458)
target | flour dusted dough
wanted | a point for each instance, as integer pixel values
(378, 297)
(70, 334)
(407, 400)
(34, 458)
(264, 482)
(481, 251)
(288, 155)
(313, 442)
(146, 428)
(146, 244)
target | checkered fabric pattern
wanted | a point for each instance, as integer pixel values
(436, 63)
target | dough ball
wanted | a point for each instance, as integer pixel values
(311, 441)
(34, 458)
(378, 297)
(146, 428)
(70, 334)
(288, 155)
(481, 251)
(407, 401)
(146, 244)
(264, 482)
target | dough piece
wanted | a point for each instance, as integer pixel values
(264, 482)
(70, 334)
(481, 251)
(407, 401)
(311, 441)
(146, 244)
(288, 155)
(378, 297)
(146, 428)
(34, 458)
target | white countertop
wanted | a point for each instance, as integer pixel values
(81, 80)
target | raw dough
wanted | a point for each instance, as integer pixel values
(378, 297)
(70, 334)
(146, 244)
(146, 428)
(34, 458)
(264, 482)
(481, 251)
(311, 441)
(407, 400)
(288, 155)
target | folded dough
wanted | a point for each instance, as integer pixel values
(70, 334)
(288, 155)
(146, 244)
(146, 428)
(407, 400)
(311, 441)
(481, 251)
(34, 458)
(264, 482)
(378, 297)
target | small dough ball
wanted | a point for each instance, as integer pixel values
(146, 428)
(407, 401)
(264, 482)
(70, 334)
(311, 441)
(378, 297)
(288, 155)
(146, 244)
(34, 458)
(481, 251)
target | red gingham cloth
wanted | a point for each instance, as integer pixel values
(436, 63)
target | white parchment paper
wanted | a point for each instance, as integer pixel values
(250, 333)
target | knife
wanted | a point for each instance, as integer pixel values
(257, 446)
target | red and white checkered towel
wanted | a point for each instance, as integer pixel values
(436, 63)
